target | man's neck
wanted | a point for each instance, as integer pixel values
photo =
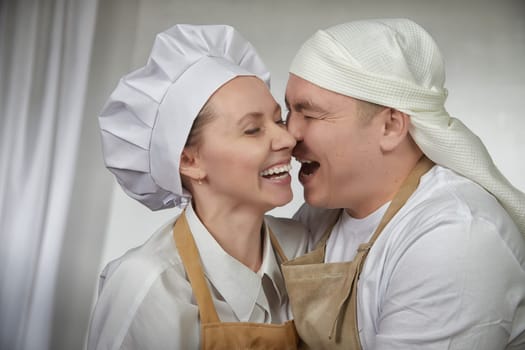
(387, 187)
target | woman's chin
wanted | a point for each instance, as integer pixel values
(281, 199)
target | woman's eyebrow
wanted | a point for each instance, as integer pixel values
(257, 115)
(250, 115)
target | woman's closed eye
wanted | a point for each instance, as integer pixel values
(252, 130)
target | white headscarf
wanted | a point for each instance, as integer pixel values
(148, 117)
(396, 63)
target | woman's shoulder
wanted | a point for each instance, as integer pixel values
(150, 258)
(131, 286)
(291, 234)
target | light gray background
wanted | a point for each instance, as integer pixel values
(483, 43)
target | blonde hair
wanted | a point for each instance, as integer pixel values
(204, 117)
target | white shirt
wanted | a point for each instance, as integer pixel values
(351, 232)
(448, 272)
(146, 302)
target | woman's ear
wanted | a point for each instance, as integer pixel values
(396, 126)
(190, 165)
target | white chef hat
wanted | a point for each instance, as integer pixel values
(396, 63)
(147, 119)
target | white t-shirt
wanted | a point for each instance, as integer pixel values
(448, 272)
(146, 302)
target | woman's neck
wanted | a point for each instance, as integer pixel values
(237, 229)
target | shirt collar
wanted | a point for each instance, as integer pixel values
(271, 265)
(366, 225)
(237, 284)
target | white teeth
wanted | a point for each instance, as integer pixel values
(276, 170)
(303, 161)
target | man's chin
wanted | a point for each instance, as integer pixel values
(312, 200)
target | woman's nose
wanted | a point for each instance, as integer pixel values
(282, 139)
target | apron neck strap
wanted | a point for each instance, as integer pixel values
(189, 255)
(405, 191)
(276, 246)
(328, 231)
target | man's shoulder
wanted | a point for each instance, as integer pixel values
(445, 192)
(454, 212)
(313, 217)
(316, 220)
(135, 285)
(291, 234)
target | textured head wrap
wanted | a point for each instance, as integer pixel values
(396, 63)
(146, 122)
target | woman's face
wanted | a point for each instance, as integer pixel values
(245, 150)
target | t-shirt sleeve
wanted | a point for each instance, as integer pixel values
(456, 286)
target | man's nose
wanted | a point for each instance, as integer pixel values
(295, 125)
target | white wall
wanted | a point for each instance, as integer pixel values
(483, 43)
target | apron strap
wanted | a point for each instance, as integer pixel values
(405, 191)
(328, 231)
(189, 255)
(276, 246)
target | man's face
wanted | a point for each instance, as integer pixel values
(338, 150)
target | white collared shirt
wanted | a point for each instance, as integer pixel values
(146, 302)
(448, 271)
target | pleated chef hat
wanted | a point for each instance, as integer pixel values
(396, 63)
(148, 117)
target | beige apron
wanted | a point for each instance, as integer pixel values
(323, 296)
(228, 335)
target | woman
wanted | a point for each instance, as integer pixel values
(198, 128)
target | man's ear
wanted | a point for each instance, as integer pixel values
(395, 131)
(190, 165)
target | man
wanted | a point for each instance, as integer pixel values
(428, 252)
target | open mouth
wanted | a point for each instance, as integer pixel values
(276, 172)
(308, 167)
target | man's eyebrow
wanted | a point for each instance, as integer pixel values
(304, 105)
